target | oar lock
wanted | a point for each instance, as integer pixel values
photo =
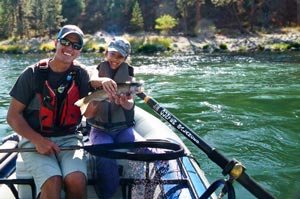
(234, 168)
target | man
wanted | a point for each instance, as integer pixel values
(42, 111)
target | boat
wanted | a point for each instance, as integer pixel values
(184, 177)
(175, 173)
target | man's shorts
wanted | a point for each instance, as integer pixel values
(42, 167)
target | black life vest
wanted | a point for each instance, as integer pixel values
(57, 114)
(111, 116)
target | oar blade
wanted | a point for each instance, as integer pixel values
(139, 151)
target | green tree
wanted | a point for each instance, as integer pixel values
(184, 6)
(231, 6)
(20, 18)
(72, 10)
(36, 16)
(26, 18)
(93, 15)
(53, 18)
(113, 16)
(8, 18)
(165, 23)
(137, 21)
(223, 2)
(117, 16)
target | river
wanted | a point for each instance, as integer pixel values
(247, 106)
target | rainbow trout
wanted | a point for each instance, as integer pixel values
(101, 95)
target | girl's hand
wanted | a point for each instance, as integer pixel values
(109, 86)
(126, 101)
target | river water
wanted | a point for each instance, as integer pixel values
(247, 106)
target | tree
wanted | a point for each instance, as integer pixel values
(111, 15)
(72, 10)
(231, 6)
(184, 6)
(35, 18)
(149, 10)
(53, 18)
(298, 13)
(117, 16)
(20, 18)
(165, 23)
(137, 21)
(93, 15)
(8, 18)
(35, 15)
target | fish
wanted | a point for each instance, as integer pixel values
(126, 88)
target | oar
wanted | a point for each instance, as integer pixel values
(19, 150)
(115, 150)
(232, 167)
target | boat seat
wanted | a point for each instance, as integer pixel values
(25, 183)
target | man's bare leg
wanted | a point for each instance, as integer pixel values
(76, 186)
(52, 188)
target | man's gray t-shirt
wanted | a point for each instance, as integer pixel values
(25, 88)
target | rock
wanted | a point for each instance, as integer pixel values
(202, 43)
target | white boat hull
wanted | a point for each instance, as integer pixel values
(139, 177)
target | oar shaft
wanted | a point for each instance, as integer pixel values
(253, 187)
(19, 150)
(211, 152)
(218, 158)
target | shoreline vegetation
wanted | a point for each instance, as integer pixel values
(282, 40)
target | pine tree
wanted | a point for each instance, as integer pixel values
(136, 21)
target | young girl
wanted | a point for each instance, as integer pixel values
(112, 120)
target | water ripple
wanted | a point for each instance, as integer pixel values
(244, 105)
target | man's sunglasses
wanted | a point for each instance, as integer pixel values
(65, 42)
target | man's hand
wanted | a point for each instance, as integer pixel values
(46, 147)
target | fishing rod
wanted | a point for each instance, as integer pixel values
(232, 167)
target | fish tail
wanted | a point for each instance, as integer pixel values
(79, 102)
(83, 106)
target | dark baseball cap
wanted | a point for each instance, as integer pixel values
(120, 45)
(69, 29)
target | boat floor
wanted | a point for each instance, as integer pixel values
(6, 192)
(138, 183)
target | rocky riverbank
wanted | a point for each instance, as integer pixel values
(283, 40)
(280, 40)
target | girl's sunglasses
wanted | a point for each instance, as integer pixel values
(65, 42)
